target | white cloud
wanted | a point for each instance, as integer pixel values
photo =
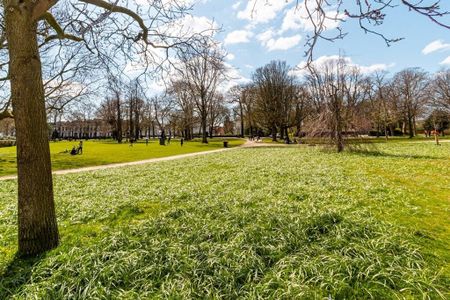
(268, 39)
(297, 17)
(434, 46)
(236, 5)
(238, 36)
(230, 56)
(192, 24)
(234, 77)
(262, 11)
(168, 4)
(374, 68)
(445, 61)
(283, 43)
(266, 36)
(325, 60)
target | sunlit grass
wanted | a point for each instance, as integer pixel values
(107, 152)
(279, 222)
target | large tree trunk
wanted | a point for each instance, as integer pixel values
(38, 230)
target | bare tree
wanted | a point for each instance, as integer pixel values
(186, 105)
(301, 108)
(336, 93)
(135, 106)
(236, 96)
(440, 90)
(217, 112)
(248, 99)
(411, 88)
(203, 70)
(107, 29)
(274, 87)
(163, 106)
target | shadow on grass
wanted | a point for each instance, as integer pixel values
(366, 149)
(377, 153)
(17, 274)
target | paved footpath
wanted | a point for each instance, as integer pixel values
(135, 163)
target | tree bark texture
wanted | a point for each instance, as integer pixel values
(38, 229)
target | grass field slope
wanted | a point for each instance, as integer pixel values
(274, 223)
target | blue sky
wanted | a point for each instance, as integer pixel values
(253, 39)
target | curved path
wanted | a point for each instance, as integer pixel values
(140, 162)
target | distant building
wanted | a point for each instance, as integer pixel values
(84, 129)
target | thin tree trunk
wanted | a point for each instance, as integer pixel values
(204, 132)
(410, 126)
(436, 137)
(242, 120)
(38, 230)
(274, 133)
(338, 130)
(386, 135)
(119, 119)
(299, 130)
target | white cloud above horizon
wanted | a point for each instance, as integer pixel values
(238, 37)
(271, 42)
(297, 17)
(300, 70)
(230, 56)
(445, 61)
(435, 46)
(262, 11)
(283, 43)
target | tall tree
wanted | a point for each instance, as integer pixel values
(336, 92)
(440, 90)
(274, 87)
(236, 95)
(108, 29)
(186, 104)
(203, 70)
(411, 85)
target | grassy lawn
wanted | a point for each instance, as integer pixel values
(108, 152)
(276, 222)
(396, 139)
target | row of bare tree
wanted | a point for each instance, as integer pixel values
(336, 100)
(191, 99)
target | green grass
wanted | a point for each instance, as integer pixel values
(277, 222)
(381, 139)
(107, 152)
